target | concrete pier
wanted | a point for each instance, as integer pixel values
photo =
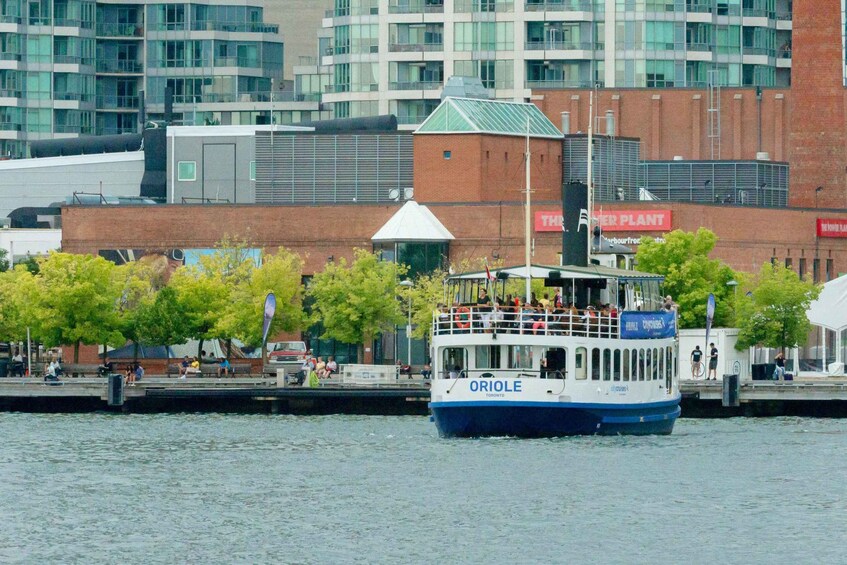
(819, 397)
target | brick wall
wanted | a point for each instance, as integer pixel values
(747, 236)
(817, 138)
(484, 168)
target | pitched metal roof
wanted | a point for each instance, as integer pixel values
(472, 115)
(413, 222)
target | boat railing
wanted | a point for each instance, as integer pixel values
(488, 320)
(516, 372)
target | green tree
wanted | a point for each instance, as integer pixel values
(775, 313)
(427, 294)
(280, 273)
(74, 300)
(14, 287)
(162, 321)
(357, 302)
(690, 275)
(136, 280)
(201, 298)
(4, 262)
(31, 264)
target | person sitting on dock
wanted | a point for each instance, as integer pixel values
(779, 371)
(193, 368)
(331, 367)
(138, 372)
(17, 366)
(224, 367)
(320, 368)
(184, 365)
(129, 376)
(426, 372)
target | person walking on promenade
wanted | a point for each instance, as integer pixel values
(713, 362)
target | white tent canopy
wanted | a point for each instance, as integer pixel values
(830, 309)
(413, 222)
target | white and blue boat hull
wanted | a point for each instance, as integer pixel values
(552, 419)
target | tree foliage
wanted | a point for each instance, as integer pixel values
(357, 302)
(690, 275)
(201, 298)
(774, 315)
(4, 262)
(280, 273)
(162, 321)
(14, 286)
(74, 300)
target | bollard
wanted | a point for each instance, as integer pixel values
(115, 386)
(281, 378)
(731, 387)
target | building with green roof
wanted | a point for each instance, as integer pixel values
(494, 117)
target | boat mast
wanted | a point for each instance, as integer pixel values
(527, 254)
(589, 174)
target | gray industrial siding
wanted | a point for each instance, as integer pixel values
(329, 169)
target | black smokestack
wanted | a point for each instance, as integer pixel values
(575, 224)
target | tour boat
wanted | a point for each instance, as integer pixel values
(555, 372)
(602, 361)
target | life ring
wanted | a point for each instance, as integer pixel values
(462, 318)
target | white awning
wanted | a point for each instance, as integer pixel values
(413, 222)
(830, 309)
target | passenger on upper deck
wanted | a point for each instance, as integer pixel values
(484, 308)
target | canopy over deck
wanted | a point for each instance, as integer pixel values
(563, 272)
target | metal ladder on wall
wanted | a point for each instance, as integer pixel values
(714, 113)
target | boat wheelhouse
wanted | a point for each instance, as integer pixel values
(596, 353)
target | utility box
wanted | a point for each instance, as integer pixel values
(115, 385)
(731, 389)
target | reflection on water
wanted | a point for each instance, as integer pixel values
(286, 489)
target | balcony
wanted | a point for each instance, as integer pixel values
(72, 60)
(207, 25)
(415, 47)
(10, 56)
(120, 30)
(335, 88)
(237, 62)
(72, 128)
(78, 96)
(120, 67)
(11, 93)
(73, 22)
(358, 11)
(560, 83)
(699, 47)
(8, 19)
(559, 5)
(115, 130)
(416, 85)
(115, 102)
(10, 126)
(417, 7)
(766, 51)
(483, 6)
(558, 45)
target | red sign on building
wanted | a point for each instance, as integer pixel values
(832, 227)
(612, 220)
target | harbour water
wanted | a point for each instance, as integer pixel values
(206, 488)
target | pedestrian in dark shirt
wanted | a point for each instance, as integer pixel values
(713, 362)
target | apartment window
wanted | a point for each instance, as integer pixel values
(252, 170)
(789, 263)
(829, 271)
(816, 270)
(802, 271)
(448, 154)
(186, 171)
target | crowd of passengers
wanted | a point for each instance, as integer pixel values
(516, 316)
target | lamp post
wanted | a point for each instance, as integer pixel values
(734, 284)
(409, 284)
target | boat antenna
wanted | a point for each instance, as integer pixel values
(527, 254)
(589, 175)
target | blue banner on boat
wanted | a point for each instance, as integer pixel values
(647, 325)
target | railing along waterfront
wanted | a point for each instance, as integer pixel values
(506, 320)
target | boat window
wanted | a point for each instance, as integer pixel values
(617, 367)
(641, 360)
(656, 367)
(580, 358)
(455, 361)
(487, 356)
(649, 369)
(607, 364)
(670, 366)
(595, 364)
(554, 363)
(520, 357)
(626, 364)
